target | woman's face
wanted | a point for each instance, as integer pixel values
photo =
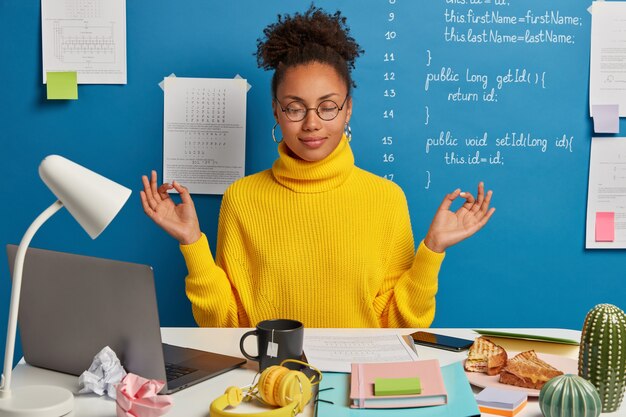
(308, 85)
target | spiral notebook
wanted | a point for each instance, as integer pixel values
(335, 388)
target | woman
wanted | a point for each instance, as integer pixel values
(314, 238)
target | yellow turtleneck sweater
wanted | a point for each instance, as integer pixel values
(325, 243)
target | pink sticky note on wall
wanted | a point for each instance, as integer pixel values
(605, 118)
(605, 226)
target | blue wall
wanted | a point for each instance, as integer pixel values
(527, 268)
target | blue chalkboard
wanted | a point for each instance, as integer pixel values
(449, 93)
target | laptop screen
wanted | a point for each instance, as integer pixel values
(72, 306)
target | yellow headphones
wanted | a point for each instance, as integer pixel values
(277, 386)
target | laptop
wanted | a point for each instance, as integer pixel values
(72, 306)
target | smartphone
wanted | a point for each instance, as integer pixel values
(440, 341)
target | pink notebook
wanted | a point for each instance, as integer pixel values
(428, 371)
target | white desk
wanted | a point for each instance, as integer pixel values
(194, 401)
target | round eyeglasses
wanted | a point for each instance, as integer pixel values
(327, 110)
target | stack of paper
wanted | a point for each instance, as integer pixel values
(334, 352)
(502, 402)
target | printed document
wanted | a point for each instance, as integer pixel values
(204, 133)
(607, 84)
(86, 36)
(335, 353)
(607, 194)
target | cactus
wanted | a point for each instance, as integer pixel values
(602, 357)
(569, 396)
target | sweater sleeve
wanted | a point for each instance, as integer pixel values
(208, 288)
(407, 296)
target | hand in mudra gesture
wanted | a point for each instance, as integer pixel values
(178, 220)
(450, 227)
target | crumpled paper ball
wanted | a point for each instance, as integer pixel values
(137, 397)
(105, 372)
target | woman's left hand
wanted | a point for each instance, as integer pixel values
(449, 228)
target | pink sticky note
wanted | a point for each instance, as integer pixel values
(605, 118)
(605, 226)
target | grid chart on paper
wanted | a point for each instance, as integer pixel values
(83, 9)
(200, 144)
(206, 105)
(79, 41)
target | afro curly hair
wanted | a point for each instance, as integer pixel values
(301, 38)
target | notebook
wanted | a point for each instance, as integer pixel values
(461, 402)
(72, 306)
(362, 391)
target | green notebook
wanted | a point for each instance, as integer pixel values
(538, 338)
(397, 386)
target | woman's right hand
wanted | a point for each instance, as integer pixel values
(178, 220)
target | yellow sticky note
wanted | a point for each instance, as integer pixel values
(62, 85)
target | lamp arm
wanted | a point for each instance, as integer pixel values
(5, 383)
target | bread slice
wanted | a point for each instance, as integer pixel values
(485, 356)
(528, 371)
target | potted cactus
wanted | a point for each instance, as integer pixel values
(602, 357)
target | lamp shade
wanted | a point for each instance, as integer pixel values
(92, 199)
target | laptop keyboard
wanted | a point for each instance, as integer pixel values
(173, 371)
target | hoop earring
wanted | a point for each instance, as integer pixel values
(274, 134)
(348, 132)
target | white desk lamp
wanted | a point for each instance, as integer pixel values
(93, 201)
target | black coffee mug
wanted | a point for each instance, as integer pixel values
(277, 340)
